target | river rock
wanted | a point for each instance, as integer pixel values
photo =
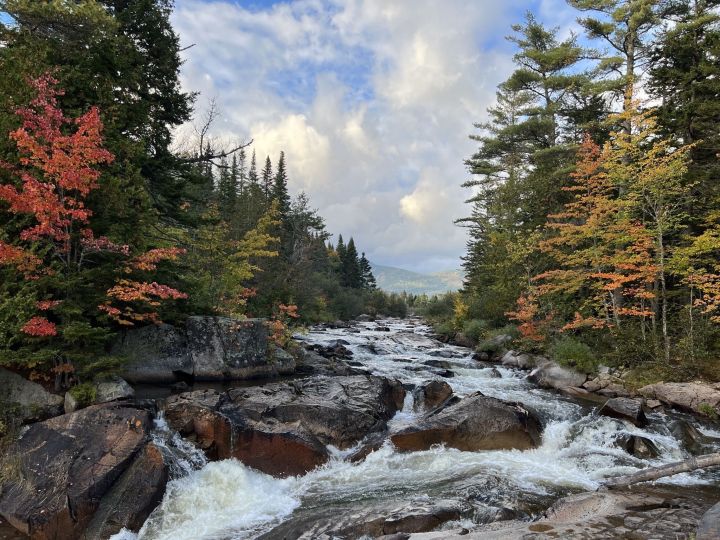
(625, 409)
(516, 359)
(388, 518)
(27, 400)
(208, 348)
(551, 375)
(336, 350)
(638, 446)
(709, 526)
(695, 397)
(693, 441)
(113, 390)
(474, 423)
(431, 395)
(133, 497)
(309, 362)
(67, 464)
(283, 428)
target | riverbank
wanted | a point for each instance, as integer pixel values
(354, 432)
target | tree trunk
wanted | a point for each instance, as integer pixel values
(653, 473)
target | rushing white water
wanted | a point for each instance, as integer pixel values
(226, 500)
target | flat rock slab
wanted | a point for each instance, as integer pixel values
(389, 518)
(642, 513)
(66, 465)
(694, 397)
(473, 423)
(284, 428)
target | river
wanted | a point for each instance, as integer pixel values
(227, 500)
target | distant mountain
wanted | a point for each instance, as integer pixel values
(393, 279)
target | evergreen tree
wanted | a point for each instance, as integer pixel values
(280, 189)
(368, 279)
(267, 179)
(351, 272)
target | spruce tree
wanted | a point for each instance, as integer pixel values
(280, 189)
(267, 179)
(368, 279)
(352, 274)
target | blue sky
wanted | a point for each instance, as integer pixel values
(372, 101)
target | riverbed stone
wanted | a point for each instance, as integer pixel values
(473, 423)
(431, 395)
(133, 497)
(377, 521)
(66, 465)
(27, 400)
(696, 397)
(207, 348)
(638, 446)
(549, 374)
(284, 428)
(709, 526)
(516, 359)
(625, 409)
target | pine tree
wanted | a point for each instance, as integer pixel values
(280, 189)
(351, 271)
(367, 277)
(267, 179)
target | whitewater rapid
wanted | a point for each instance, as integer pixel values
(226, 500)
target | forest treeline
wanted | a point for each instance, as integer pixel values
(106, 222)
(595, 192)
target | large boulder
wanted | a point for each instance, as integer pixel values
(462, 340)
(625, 409)
(696, 397)
(283, 428)
(27, 400)
(709, 526)
(473, 423)
(208, 348)
(112, 389)
(66, 465)
(376, 521)
(519, 360)
(431, 395)
(548, 374)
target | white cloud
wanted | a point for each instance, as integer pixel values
(372, 101)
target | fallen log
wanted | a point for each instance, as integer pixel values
(653, 473)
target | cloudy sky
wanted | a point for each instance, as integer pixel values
(371, 100)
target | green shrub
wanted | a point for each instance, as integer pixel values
(475, 329)
(571, 352)
(445, 328)
(507, 330)
(708, 410)
(84, 394)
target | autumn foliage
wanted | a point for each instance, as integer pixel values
(58, 167)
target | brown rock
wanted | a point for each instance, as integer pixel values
(431, 395)
(473, 423)
(131, 499)
(283, 428)
(68, 463)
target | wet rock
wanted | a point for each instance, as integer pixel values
(625, 409)
(699, 398)
(431, 395)
(445, 373)
(473, 423)
(494, 374)
(692, 440)
(518, 360)
(382, 328)
(442, 364)
(638, 446)
(377, 521)
(179, 387)
(365, 318)
(551, 375)
(208, 348)
(67, 464)
(283, 428)
(337, 350)
(582, 394)
(442, 353)
(133, 497)
(481, 356)
(309, 362)
(27, 400)
(709, 526)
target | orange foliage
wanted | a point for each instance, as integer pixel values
(39, 327)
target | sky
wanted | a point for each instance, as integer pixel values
(371, 100)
